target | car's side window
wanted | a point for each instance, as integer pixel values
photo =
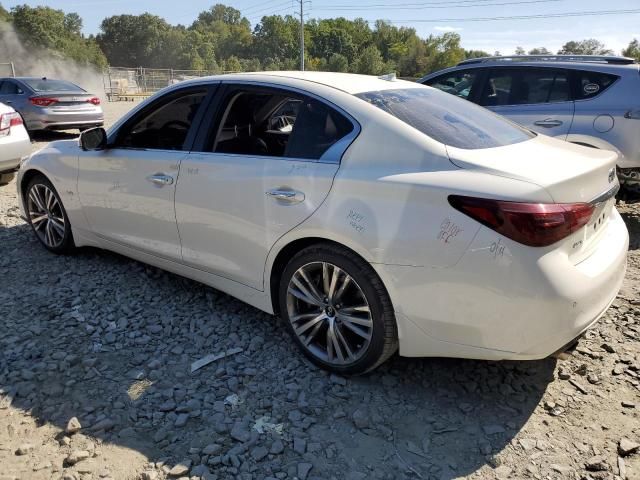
(10, 88)
(276, 123)
(541, 86)
(165, 125)
(592, 84)
(526, 86)
(459, 83)
(497, 88)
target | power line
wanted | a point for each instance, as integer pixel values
(460, 4)
(263, 11)
(262, 15)
(259, 6)
(521, 17)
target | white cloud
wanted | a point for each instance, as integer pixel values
(447, 28)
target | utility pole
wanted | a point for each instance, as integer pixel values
(301, 34)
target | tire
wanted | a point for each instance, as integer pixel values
(47, 216)
(324, 328)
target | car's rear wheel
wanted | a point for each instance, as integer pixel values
(338, 310)
(47, 216)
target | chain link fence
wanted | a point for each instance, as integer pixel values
(131, 83)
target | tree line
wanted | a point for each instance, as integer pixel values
(222, 39)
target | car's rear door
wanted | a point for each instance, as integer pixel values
(538, 98)
(266, 162)
(127, 191)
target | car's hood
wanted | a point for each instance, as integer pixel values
(569, 172)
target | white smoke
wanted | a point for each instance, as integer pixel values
(34, 62)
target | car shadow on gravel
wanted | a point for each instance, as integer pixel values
(110, 341)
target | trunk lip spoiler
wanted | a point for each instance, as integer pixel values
(603, 197)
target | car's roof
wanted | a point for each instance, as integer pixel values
(347, 82)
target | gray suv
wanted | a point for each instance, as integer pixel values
(589, 100)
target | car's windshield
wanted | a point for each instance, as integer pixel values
(46, 85)
(447, 119)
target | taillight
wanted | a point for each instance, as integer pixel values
(8, 120)
(532, 224)
(42, 101)
(94, 100)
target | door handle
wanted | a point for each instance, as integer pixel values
(289, 196)
(548, 123)
(160, 179)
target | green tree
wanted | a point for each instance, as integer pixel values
(44, 27)
(539, 51)
(4, 14)
(134, 40)
(232, 64)
(590, 46)
(632, 50)
(277, 38)
(520, 51)
(229, 31)
(370, 62)
(337, 63)
(476, 54)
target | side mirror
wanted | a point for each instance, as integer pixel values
(93, 139)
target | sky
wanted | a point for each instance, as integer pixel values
(426, 16)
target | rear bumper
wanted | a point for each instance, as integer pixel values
(505, 307)
(52, 119)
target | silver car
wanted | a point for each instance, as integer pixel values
(589, 100)
(48, 104)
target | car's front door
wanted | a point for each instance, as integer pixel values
(266, 162)
(127, 191)
(536, 98)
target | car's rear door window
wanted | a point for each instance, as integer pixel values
(592, 84)
(262, 121)
(459, 83)
(447, 119)
(525, 86)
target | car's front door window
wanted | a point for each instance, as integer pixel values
(165, 125)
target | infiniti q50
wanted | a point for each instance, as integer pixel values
(374, 215)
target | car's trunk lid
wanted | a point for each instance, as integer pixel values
(568, 173)
(68, 100)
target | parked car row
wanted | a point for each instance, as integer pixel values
(372, 214)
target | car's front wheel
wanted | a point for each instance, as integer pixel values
(47, 215)
(338, 310)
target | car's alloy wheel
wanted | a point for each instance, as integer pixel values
(337, 309)
(329, 313)
(47, 216)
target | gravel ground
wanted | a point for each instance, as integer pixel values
(95, 383)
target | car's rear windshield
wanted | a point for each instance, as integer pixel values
(448, 119)
(40, 85)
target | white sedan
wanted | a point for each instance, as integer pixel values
(372, 214)
(14, 143)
